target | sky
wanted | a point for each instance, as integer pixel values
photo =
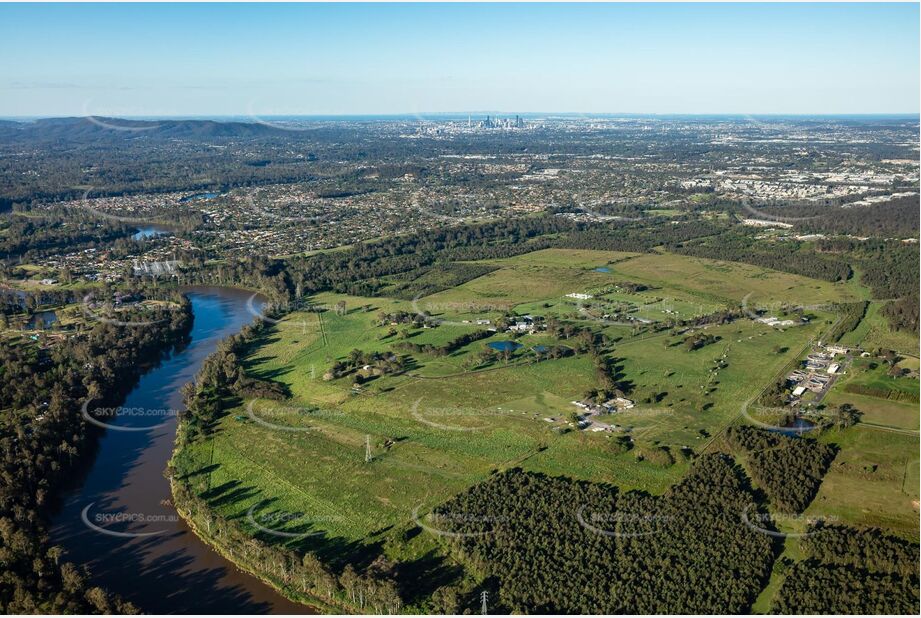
(286, 59)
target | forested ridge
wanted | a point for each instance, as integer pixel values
(890, 269)
(894, 218)
(29, 239)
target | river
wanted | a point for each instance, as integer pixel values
(117, 518)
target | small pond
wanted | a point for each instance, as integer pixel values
(41, 320)
(504, 346)
(797, 428)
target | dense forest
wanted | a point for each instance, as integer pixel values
(792, 257)
(561, 546)
(637, 236)
(894, 218)
(789, 469)
(890, 269)
(31, 238)
(42, 437)
(851, 571)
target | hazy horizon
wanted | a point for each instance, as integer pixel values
(478, 115)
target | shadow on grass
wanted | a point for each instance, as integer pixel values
(416, 578)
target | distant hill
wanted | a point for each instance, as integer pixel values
(102, 128)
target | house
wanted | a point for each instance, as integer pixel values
(623, 402)
(798, 391)
(775, 322)
(620, 403)
(579, 296)
(525, 325)
(834, 350)
(833, 368)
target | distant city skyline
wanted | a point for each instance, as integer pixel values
(241, 60)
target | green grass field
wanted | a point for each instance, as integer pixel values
(446, 423)
(873, 481)
(874, 332)
(898, 410)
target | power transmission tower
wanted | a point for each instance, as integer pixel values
(484, 597)
(367, 449)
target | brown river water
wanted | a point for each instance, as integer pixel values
(116, 517)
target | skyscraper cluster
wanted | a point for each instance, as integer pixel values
(503, 123)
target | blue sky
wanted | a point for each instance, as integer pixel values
(235, 59)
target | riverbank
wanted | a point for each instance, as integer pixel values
(297, 574)
(135, 544)
(42, 400)
(194, 518)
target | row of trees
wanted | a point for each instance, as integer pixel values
(448, 347)
(222, 377)
(374, 590)
(429, 280)
(379, 363)
(699, 340)
(220, 380)
(850, 315)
